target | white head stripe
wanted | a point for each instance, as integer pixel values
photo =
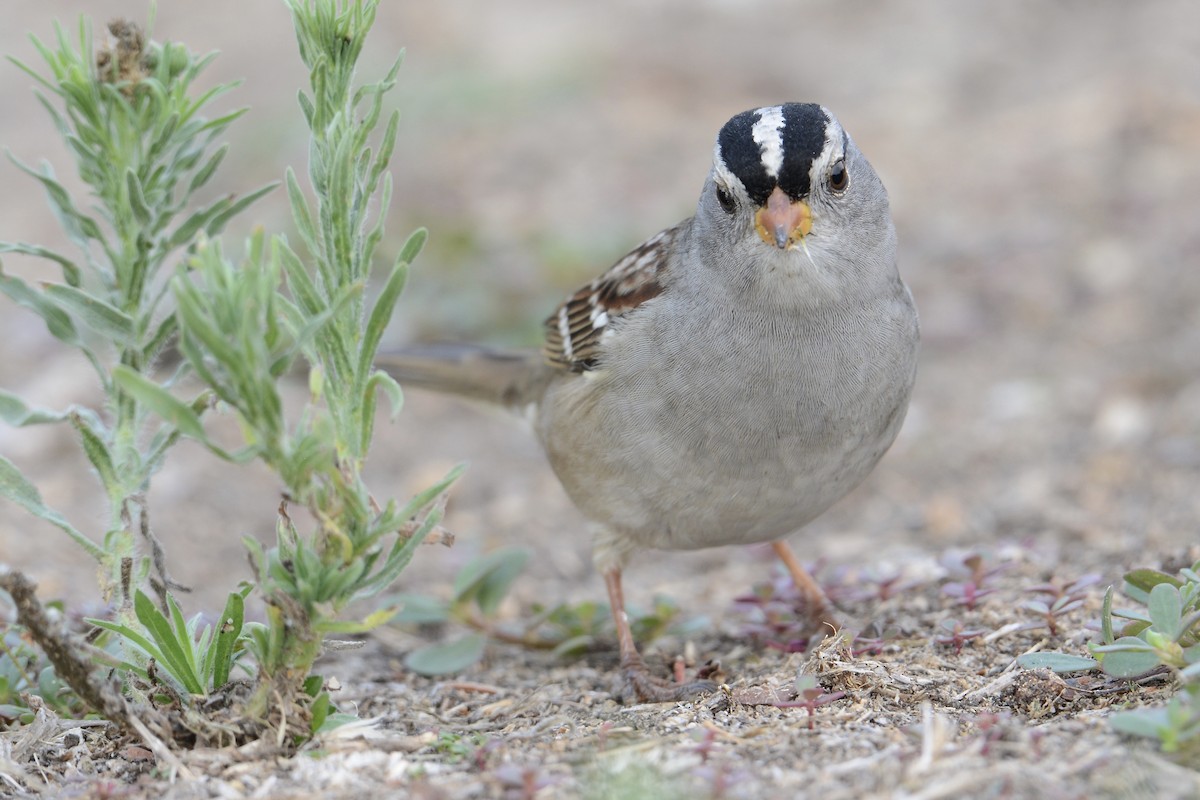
(721, 172)
(768, 135)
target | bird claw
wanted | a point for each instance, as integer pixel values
(639, 686)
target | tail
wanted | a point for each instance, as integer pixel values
(509, 378)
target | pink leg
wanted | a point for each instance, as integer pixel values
(820, 609)
(648, 688)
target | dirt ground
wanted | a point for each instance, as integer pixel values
(1044, 168)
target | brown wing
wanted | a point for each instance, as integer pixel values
(574, 330)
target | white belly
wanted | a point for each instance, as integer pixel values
(714, 452)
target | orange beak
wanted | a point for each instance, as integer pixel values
(781, 222)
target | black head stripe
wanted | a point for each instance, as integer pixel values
(742, 156)
(803, 140)
(802, 137)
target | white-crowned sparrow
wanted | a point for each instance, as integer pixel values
(734, 375)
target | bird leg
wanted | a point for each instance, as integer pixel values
(647, 687)
(817, 604)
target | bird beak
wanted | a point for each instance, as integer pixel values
(781, 222)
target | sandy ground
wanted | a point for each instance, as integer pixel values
(1043, 163)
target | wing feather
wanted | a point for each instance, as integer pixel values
(575, 330)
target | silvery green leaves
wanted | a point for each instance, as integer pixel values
(343, 225)
(142, 147)
(242, 327)
(1165, 635)
(478, 589)
(17, 489)
(240, 334)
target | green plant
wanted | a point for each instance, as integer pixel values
(135, 126)
(810, 696)
(1055, 600)
(198, 658)
(240, 332)
(972, 573)
(480, 587)
(1175, 725)
(957, 635)
(776, 614)
(24, 669)
(1165, 636)
(142, 146)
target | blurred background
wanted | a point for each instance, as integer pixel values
(1043, 162)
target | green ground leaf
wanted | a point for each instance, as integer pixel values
(1106, 626)
(175, 653)
(1145, 722)
(228, 630)
(1166, 610)
(1140, 582)
(447, 657)
(1057, 662)
(1127, 657)
(486, 580)
(420, 609)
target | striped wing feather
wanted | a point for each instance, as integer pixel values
(574, 331)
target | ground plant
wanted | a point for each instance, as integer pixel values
(206, 328)
(177, 331)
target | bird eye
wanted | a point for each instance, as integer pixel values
(839, 179)
(725, 199)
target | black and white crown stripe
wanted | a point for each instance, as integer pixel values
(757, 150)
(767, 133)
(776, 146)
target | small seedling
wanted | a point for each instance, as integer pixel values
(1056, 600)
(810, 696)
(867, 583)
(958, 635)
(456, 747)
(972, 573)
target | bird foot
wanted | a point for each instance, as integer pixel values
(640, 686)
